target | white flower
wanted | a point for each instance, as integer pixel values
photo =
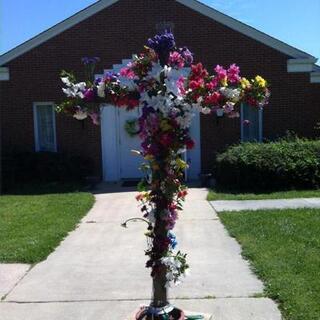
(128, 83)
(155, 72)
(205, 110)
(80, 115)
(66, 81)
(228, 107)
(232, 94)
(151, 216)
(101, 89)
(171, 86)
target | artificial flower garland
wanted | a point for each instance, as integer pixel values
(156, 82)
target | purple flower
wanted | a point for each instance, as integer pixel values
(162, 44)
(90, 60)
(89, 95)
(187, 55)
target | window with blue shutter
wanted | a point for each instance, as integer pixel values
(45, 127)
(251, 123)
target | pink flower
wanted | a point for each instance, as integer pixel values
(180, 85)
(95, 118)
(176, 60)
(221, 72)
(127, 73)
(233, 73)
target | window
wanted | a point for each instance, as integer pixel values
(251, 123)
(44, 126)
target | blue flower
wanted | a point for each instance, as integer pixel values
(173, 239)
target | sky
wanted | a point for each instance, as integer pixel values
(295, 22)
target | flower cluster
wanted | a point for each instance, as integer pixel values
(224, 90)
(168, 88)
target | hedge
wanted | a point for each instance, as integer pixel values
(270, 166)
(44, 167)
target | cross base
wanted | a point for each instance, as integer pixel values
(147, 313)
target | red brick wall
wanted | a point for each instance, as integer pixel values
(118, 31)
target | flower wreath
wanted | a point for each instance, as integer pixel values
(132, 127)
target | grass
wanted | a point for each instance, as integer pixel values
(32, 226)
(216, 194)
(284, 249)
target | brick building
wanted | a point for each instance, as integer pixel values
(113, 30)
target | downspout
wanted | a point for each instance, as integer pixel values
(4, 76)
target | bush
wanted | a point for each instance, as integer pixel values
(283, 164)
(44, 167)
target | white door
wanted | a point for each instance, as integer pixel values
(118, 160)
(129, 161)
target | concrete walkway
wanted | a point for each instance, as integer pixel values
(98, 271)
(239, 205)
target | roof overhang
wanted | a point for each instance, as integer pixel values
(245, 29)
(301, 65)
(4, 74)
(300, 61)
(55, 30)
(315, 77)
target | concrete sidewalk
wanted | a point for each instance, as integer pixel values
(239, 205)
(98, 271)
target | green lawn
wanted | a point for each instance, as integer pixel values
(284, 249)
(32, 226)
(216, 194)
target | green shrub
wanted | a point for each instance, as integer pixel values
(44, 167)
(282, 164)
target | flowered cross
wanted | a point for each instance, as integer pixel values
(156, 82)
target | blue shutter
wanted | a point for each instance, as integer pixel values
(45, 128)
(251, 124)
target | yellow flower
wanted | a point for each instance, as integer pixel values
(181, 164)
(224, 82)
(155, 167)
(165, 126)
(149, 157)
(260, 81)
(245, 83)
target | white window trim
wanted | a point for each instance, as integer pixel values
(260, 138)
(35, 121)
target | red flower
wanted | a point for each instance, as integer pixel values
(196, 84)
(189, 143)
(198, 71)
(182, 194)
(166, 139)
(213, 99)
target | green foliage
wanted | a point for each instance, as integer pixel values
(32, 226)
(284, 164)
(44, 167)
(224, 194)
(284, 249)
